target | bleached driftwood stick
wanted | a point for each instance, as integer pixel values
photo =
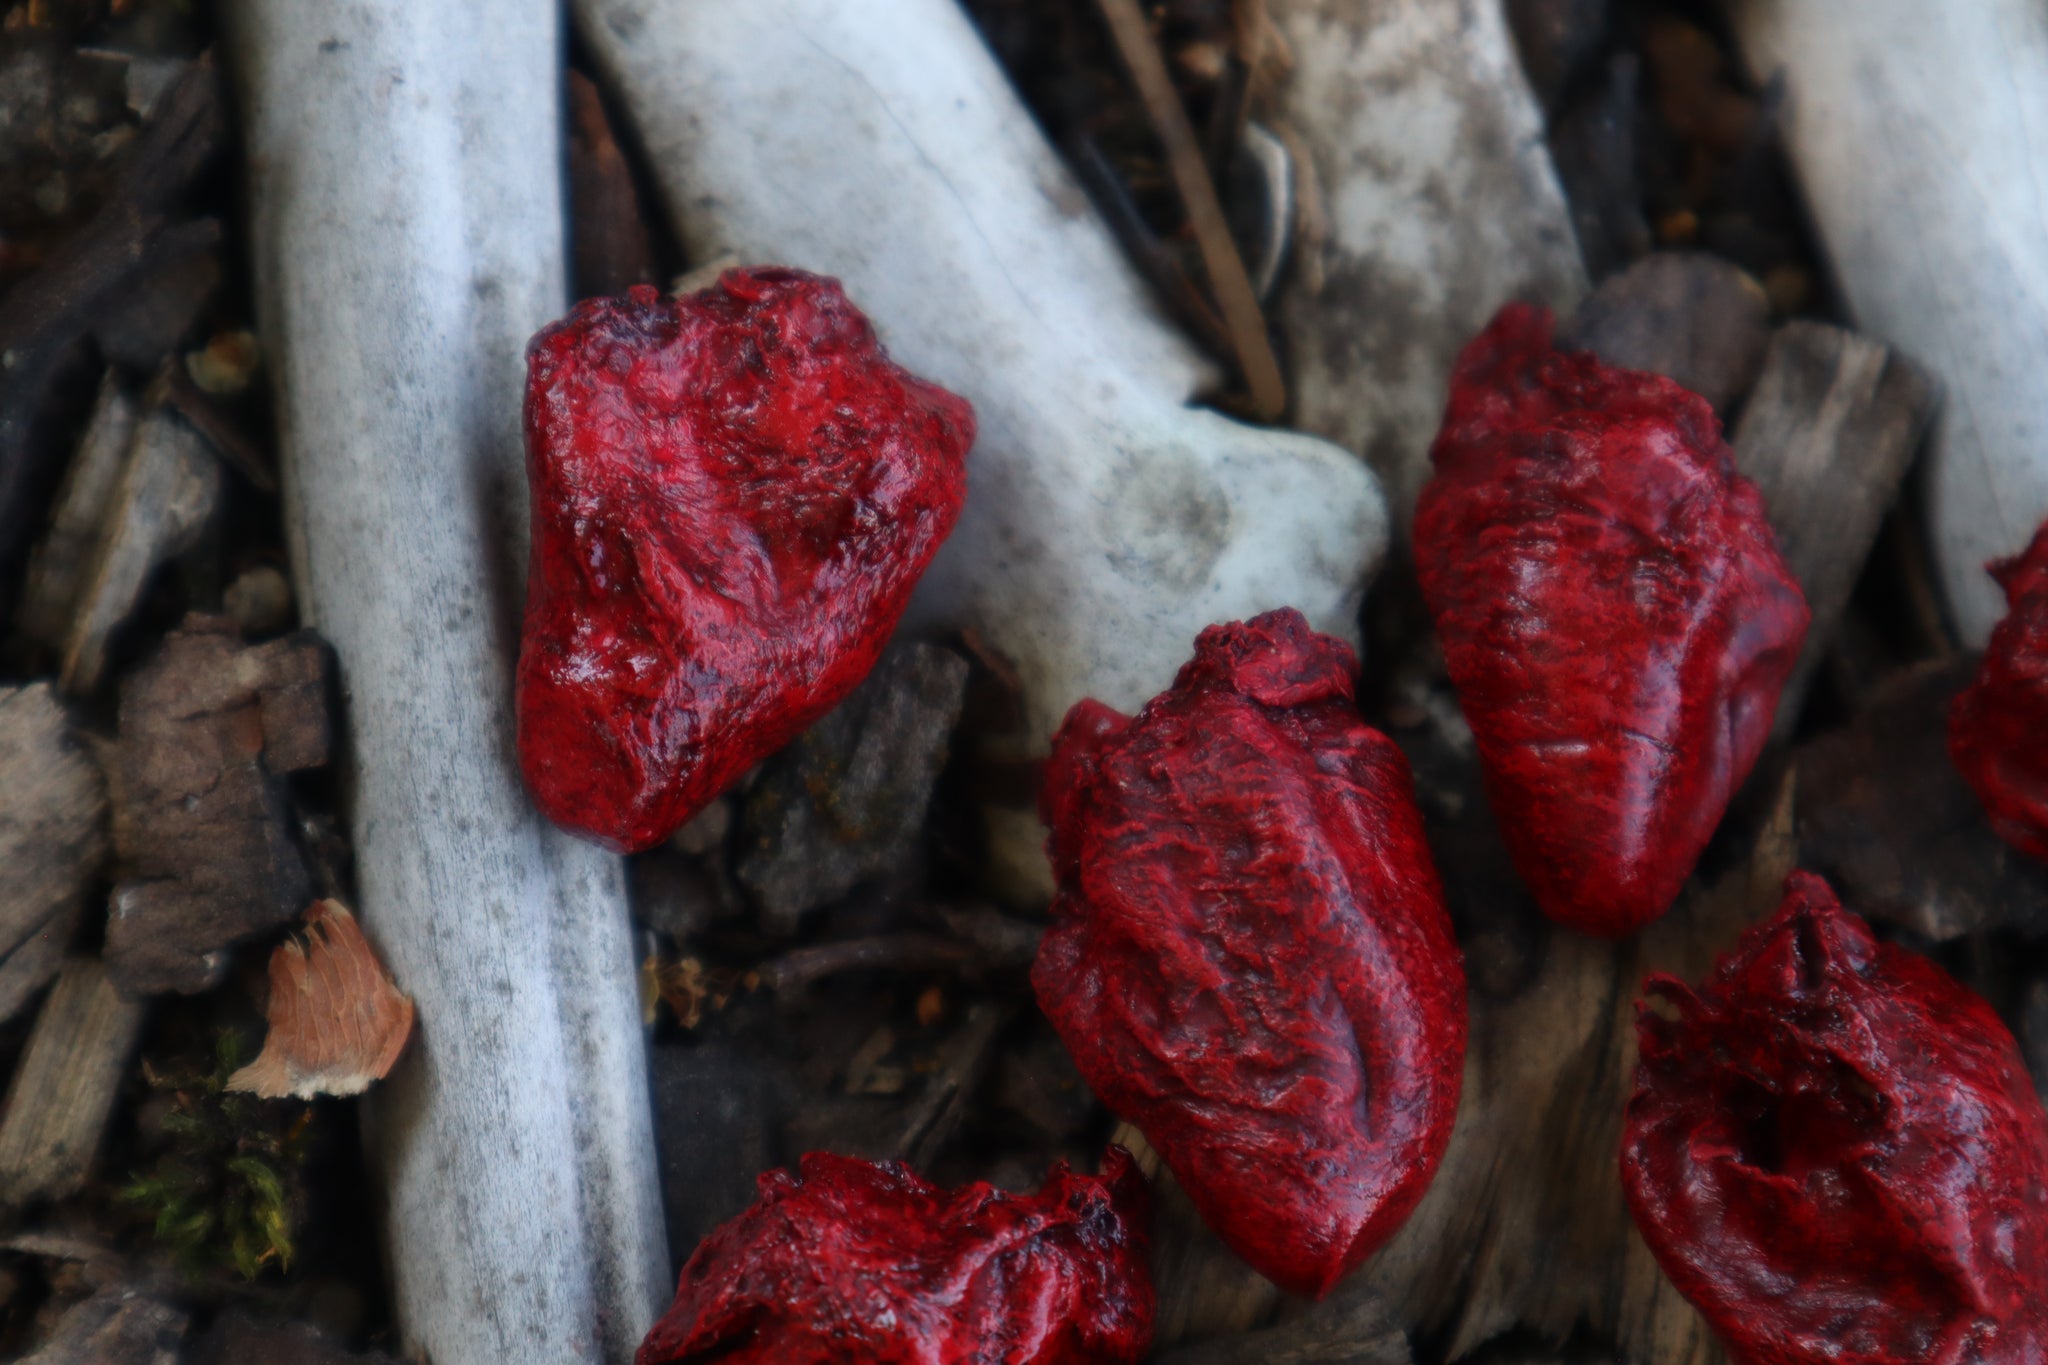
(406, 174)
(1918, 137)
(1438, 204)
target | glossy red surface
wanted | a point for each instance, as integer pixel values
(857, 1262)
(1249, 956)
(1613, 611)
(1835, 1152)
(1998, 726)
(733, 495)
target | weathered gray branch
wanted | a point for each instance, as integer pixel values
(406, 175)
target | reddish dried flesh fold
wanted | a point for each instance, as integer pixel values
(852, 1260)
(734, 494)
(1614, 614)
(1836, 1153)
(1250, 957)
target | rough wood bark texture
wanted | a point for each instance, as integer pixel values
(57, 569)
(1205, 1291)
(53, 839)
(63, 1087)
(408, 204)
(1350, 1328)
(1885, 817)
(129, 240)
(1827, 434)
(203, 826)
(1524, 1225)
(168, 490)
(116, 1327)
(1107, 522)
(1918, 146)
(1438, 205)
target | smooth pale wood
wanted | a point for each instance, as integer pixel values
(1107, 521)
(1438, 205)
(1827, 434)
(64, 1086)
(1917, 136)
(405, 168)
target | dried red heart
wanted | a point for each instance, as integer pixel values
(1998, 727)
(1613, 611)
(854, 1261)
(1835, 1152)
(1250, 957)
(733, 495)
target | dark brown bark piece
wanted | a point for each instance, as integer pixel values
(240, 1338)
(118, 1327)
(1695, 318)
(847, 800)
(64, 1087)
(203, 827)
(1886, 818)
(131, 238)
(1827, 434)
(719, 1110)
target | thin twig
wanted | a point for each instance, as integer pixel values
(906, 952)
(1227, 276)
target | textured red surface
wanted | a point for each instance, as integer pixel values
(733, 495)
(858, 1262)
(1249, 956)
(1835, 1152)
(1998, 727)
(1613, 611)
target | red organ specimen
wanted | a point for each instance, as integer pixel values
(857, 1262)
(1835, 1152)
(1614, 614)
(733, 495)
(1249, 956)
(1998, 728)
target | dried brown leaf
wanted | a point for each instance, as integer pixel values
(337, 1022)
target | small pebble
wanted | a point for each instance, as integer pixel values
(260, 601)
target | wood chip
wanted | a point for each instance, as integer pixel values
(1525, 1225)
(57, 569)
(53, 806)
(1692, 317)
(1350, 1328)
(337, 1022)
(1885, 816)
(1827, 434)
(168, 491)
(64, 1088)
(119, 1327)
(202, 819)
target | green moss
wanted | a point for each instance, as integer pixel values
(222, 1192)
